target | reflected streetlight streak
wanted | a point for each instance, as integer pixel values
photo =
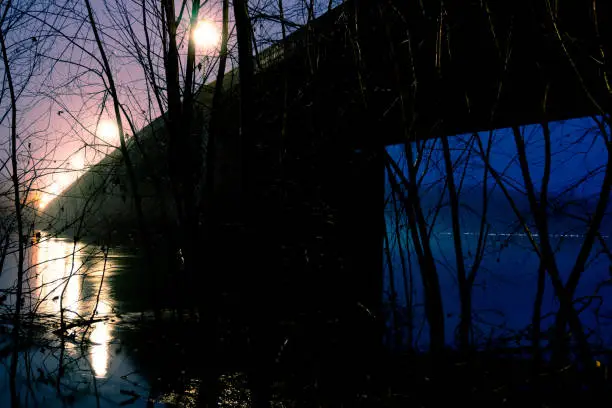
(54, 264)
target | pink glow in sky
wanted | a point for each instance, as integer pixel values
(66, 119)
(65, 111)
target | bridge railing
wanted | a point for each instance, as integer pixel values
(271, 56)
(281, 50)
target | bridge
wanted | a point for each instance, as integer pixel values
(329, 98)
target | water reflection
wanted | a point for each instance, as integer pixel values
(73, 277)
(100, 338)
(114, 361)
(76, 284)
(53, 277)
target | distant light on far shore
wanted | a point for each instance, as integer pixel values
(59, 183)
(49, 194)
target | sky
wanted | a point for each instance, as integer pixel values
(577, 149)
(64, 114)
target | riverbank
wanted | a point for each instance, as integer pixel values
(178, 366)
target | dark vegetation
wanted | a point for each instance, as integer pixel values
(277, 236)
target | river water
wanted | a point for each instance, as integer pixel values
(99, 368)
(106, 363)
(504, 289)
(123, 358)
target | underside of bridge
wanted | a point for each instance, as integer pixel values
(361, 77)
(369, 74)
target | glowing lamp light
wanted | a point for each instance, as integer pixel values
(55, 189)
(78, 162)
(206, 34)
(108, 132)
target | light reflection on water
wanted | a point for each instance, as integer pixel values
(71, 276)
(94, 368)
(100, 338)
(90, 362)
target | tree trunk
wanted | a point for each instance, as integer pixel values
(434, 310)
(259, 374)
(211, 288)
(465, 291)
(548, 257)
(15, 398)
